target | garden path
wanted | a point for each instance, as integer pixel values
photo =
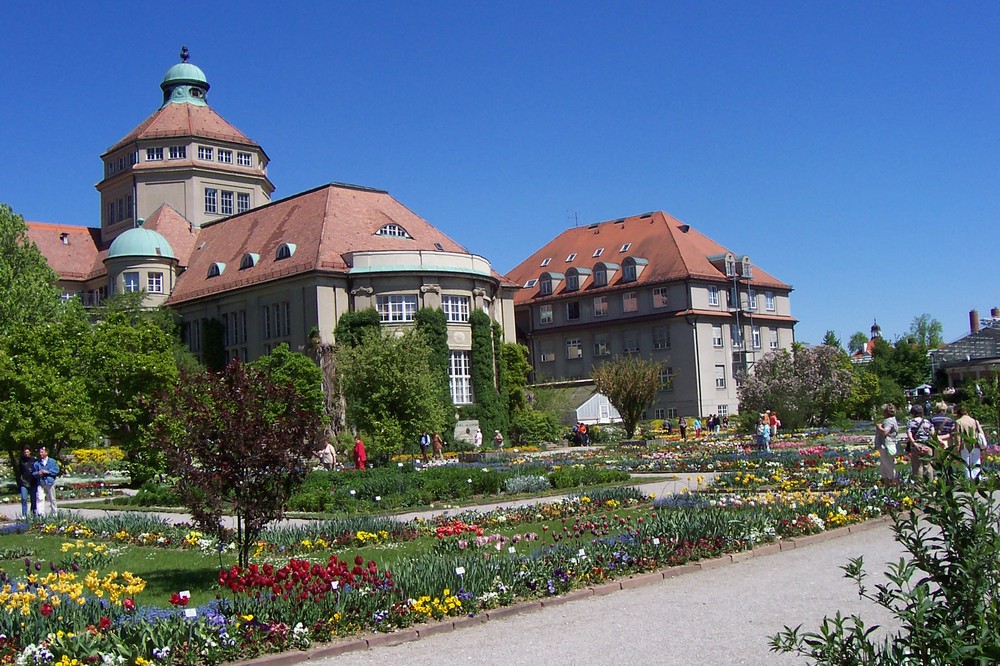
(665, 484)
(718, 616)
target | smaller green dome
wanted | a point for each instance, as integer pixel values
(184, 72)
(141, 242)
(185, 82)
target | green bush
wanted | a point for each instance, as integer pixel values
(575, 476)
(151, 493)
(531, 427)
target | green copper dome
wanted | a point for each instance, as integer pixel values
(184, 82)
(139, 242)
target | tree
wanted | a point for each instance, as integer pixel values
(351, 326)
(517, 367)
(28, 292)
(129, 358)
(905, 362)
(630, 384)
(831, 340)
(926, 331)
(488, 409)
(236, 441)
(857, 343)
(44, 399)
(432, 323)
(806, 386)
(283, 366)
(390, 390)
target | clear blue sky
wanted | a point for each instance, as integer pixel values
(851, 149)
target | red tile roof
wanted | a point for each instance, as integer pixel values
(75, 253)
(180, 119)
(181, 234)
(325, 224)
(674, 250)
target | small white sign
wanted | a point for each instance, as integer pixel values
(190, 612)
(460, 571)
(354, 492)
(184, 594)
(399, 464)
(656, 541)
(582, 553)
(378, 498)
(512, 550)
(334, 584)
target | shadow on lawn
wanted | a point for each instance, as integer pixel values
(201, 581)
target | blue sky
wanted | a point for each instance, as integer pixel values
(851, 149)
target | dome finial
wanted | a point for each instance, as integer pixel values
(185, 54)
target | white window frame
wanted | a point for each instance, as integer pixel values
(242, 202)
(769, 300)
(130, 282)
(571, 257)
(598, 252)
(600, 306)
(546, 261)
(206, 153)
(659, 413)
(661, 297)
(154, 154)
(178, 152)
(224, 156)
(671, 412)
(774, 338)
(545, 286)
(574, 348)
(722, 410)
(717, 339)
(154, 282)
(629, 273)
(713, 295)
(601, 277)
(226, 202)
(456, 308)
(545, 315)
(572, 281)
(244, 159)
(630, 301)
(392, 231)
(460, 377)
(625, 247)
(661, 337)
(752, 299)
(666, 377)
(396, 308)
(720, 376)
(602, 345)
(755, 336)
(211, 200)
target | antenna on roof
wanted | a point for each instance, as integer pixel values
(576, 217)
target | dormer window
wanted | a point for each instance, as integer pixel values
(545, 286)
(285, 251)
(546, 261)
(747, 268)
(598, 252)
(571, 257)
(600, 276)
(572, 280)
(216, 269)
(628, 272)
(392, 231)
(730, 266)
(625, 247)
(249, 260)
(632, 268)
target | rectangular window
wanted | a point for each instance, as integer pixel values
(194, 335)
(671, 412)
(572, 310)
(545, 287)
(154, 154)
(630, 342)
(734, 297)
(713, 295)
(276, 316)
(205, 153)
(111, 212)
(774, 338)
(226, 203)
(242, 202)
(129, 208)
(629, 273)
(752, 298)
(178, 152)
(598, 252)
(720, 376)
(572, 282)
(660, 299)
(736, 337)
(460, 377)
(225, 156)
(121, 209)
(717, 336)
(601, 345)
(600, 277)
(547, 352)
(666, 378)
(396, 308)
(456, 308)
(131, 280)
(630, 303)
(661, 337)
(722, 410)
(286, 309)
(570, 257)
(546, 261)
(266, 312)
(545, 314)
(574, 348)
(244, 159)
(154, 283)
(755, 336)
(659, 413)
(769, 300)
(600, 306)
(211, 200)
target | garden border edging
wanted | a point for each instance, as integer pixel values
(367, 642)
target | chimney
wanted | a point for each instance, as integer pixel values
(974, 321)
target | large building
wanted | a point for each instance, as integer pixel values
(653, 286)
(186, 216)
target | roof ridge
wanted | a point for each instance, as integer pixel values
(670, 232)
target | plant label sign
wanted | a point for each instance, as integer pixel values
(460, 571)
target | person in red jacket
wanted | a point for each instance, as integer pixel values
(360, 457)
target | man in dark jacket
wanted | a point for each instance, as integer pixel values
(27, 483)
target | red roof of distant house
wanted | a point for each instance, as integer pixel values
(75, 253)
(324, 224)
(176, 120)
(674, 250)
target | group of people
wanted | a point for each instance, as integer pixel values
(328, 455)
(434, 442)
(34, 474)
(766, 430)
(581, 435)
(964, 434)
(713, 424)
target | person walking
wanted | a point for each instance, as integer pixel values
(438, 444)
(45, 471)
(477, 439)
(425, 442)
(970, 438)
(497, 440)
(774, 424)
(360, 455)
(918, 444)
(327, 456)
(885, 443)
(683, 425)
(27, 482)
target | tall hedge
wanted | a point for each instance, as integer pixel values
(489, 409)
(432, 323)
(352, 325)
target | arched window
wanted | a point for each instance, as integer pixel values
(216, 269)
(572, 280)
(249, 260)
(545, 286)
(285, 251)
(392, 231)
(600, 276)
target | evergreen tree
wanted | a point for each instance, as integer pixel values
(484, 381)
